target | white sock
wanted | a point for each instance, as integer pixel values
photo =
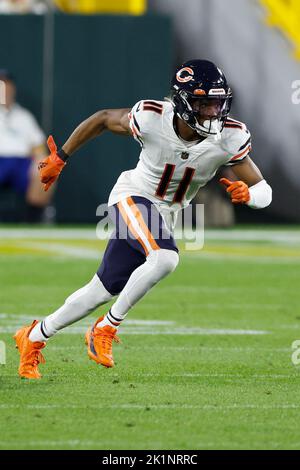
(158, 264)
(110, 320)
(77, 306)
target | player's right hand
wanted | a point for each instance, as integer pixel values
(51, 167)
(238, 190)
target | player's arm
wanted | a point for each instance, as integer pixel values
(114, 120)
(251, 188)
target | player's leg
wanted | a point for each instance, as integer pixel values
(85, 300)
(147, 233)
(31, 339)
(160, 259)
(118, 262)
(77, 306)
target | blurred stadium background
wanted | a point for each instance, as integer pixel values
(73, 57)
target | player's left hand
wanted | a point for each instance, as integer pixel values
(239, 191)
(51, 167)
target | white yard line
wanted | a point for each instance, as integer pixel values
(27, 317)
(191, 331)
(74, 330)
(48, 233)
(205, 348)
(279, 236)
(101, 444)
(269, 235)
(225, 375)
(183, 348)
(70, 443)
(246, 406)
(64, 249)
(257, 259)
(26, 239)
(133, 327)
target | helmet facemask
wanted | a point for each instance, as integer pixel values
(188, 108)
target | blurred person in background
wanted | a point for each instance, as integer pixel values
(22, 144)
(23, 6)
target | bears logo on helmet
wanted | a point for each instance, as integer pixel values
(183, 77)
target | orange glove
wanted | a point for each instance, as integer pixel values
(51, 167)
(238, 190)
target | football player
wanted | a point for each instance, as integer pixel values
(184, 141)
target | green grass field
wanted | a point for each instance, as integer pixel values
(205, 360)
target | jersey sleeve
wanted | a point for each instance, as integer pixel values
(145, 120)
(238, 142)
(137, 123)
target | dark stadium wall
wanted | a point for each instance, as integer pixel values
(103, 62)
(94, 62)
(21, 51)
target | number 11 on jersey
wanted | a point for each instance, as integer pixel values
(182, 186)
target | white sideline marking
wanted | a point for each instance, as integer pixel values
(203, 348)
(125, 406)
(183, 375)
(63, 249)
(257, 259)
(183, 348)
(151, 445)
(278, 236)
(220, 290)
(133, 327)
(149, 322)
(28, 318)
(238, 376)
(191, 331)
(49, 234)
(100, 443)
(71, 443)
(74, 330)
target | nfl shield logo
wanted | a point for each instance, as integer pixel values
(184, 155)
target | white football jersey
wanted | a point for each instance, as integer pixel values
(170, 170)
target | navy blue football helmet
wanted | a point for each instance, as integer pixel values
(196, 82)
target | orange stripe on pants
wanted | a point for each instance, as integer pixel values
(131, 228)
(144, 227)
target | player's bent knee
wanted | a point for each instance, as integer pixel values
(166, 261)
(170, 260)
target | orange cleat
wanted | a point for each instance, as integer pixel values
(99, 343)
(30, 353)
